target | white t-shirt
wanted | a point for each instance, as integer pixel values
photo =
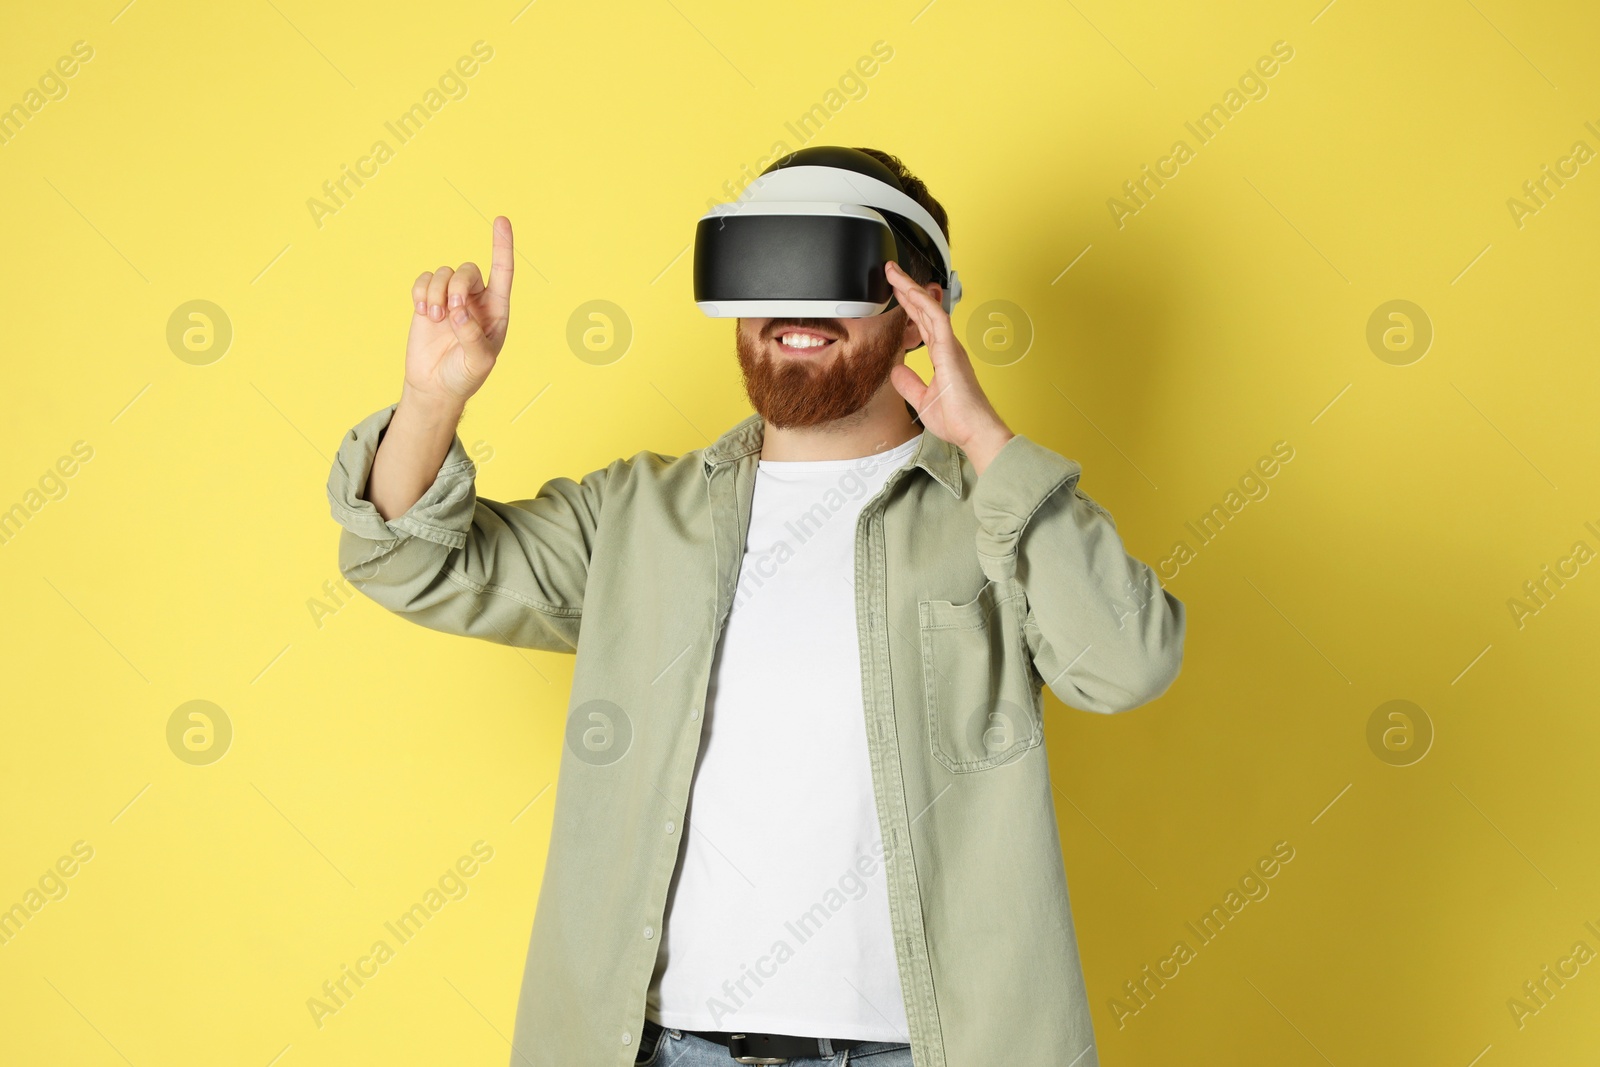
(778, 920)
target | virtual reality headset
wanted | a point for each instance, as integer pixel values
(810, 237)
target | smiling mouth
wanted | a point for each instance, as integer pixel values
(796, 342)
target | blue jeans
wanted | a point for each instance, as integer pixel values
(660, 1047)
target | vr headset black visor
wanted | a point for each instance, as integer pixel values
(812, 242)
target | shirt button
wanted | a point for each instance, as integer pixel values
(627, 1038)
(669, 826)
(694, 713)
(649, 932)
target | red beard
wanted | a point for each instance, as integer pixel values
(791, 393)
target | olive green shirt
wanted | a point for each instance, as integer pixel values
(971, 595)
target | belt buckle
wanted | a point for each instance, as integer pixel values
(737, 1050)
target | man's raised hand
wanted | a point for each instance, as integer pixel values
(458, 325)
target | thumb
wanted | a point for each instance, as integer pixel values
(908, 383)
(474, 345)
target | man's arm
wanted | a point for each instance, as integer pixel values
(512, 573)
(416, 538)
(411, 451)
(1104, 635)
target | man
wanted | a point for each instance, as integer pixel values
(804, 812)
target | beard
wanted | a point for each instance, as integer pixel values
(792, 393)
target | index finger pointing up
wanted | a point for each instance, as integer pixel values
(504, 261)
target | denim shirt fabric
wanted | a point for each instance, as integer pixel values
(972, 595)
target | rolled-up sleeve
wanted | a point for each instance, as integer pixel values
(512, 573)
(1105, 636)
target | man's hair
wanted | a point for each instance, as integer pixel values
(920, 270)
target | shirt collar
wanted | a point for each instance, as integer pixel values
(935, 455)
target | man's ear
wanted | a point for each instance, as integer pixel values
(912, 339)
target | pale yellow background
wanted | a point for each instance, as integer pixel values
(368, 754)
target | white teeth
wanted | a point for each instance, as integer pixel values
(803, 340)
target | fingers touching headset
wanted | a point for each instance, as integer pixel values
(922, 306)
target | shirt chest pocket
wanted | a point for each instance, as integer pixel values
(982, 706)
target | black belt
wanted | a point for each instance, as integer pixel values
(773, 1048)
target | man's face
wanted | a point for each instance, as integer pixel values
(803, 372)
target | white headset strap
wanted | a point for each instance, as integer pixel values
(847, 187)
